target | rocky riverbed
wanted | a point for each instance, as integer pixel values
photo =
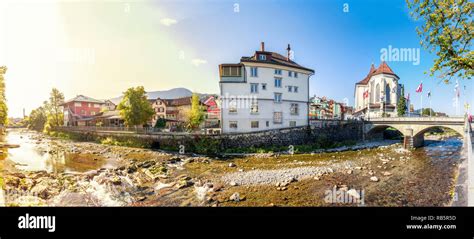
(90, 174)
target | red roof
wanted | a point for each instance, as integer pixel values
(370, 74)
(382, 69)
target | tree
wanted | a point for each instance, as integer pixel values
(427, 111)
(37, 119)
(134, 107)
(448, 31)
(160, 123)
(196, 115)
(402, 103)
(55, 110)
(3, 100)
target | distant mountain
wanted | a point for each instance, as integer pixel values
(174, 93)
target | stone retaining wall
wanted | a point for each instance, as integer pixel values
(324, 132)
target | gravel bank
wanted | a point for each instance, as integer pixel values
(259, 177)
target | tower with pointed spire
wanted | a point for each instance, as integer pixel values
(377, 94)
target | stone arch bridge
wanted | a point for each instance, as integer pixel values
(413, 128)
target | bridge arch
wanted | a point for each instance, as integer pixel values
(376, 131)
(422, 131)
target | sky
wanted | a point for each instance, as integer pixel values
(99, 48)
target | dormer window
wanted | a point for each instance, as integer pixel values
(262, 57)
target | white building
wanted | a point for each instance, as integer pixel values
(264, 91)
(378, 93)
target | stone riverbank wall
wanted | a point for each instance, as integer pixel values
(320, 132)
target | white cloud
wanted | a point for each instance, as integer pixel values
(168, 21)
(198, 61)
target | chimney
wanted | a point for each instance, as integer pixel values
(262, 46)
(288, 53)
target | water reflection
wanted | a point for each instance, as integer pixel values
(35, 155)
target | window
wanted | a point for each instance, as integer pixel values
(292, 123)
(377, 93)
(77, 104)
(278, 82)
(267, 123)
(253, 71)
(277, 118)
(254, 124)
(296, 89)
(290, 88)
(92, 112)
(264, 86)
(83, 112)
(387, 93)
(262, 57)
(233, 107)
(233, 124)
(231, 71)
(161, 109)
(277, 98)
(254, 107)
(290, 73)
(277, 72)
(294, 109)
(253, 88)
(296, 74)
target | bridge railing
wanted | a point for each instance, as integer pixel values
(421, 119)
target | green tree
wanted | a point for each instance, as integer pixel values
(402, 103)
(3, 100)
(447, 30)
(55, 110)
(134, 107)
(160, 123)
(196, 115)
(37, 119)
(427, 111)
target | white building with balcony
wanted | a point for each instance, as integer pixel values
(264, 91)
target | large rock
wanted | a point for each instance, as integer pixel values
(374, 179)
(42, 190)
(235, 197)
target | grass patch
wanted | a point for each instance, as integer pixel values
(128, 142)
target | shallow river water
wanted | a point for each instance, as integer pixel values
(120, 176)
(32, 155)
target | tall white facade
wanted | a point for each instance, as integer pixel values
(378, 93)
(262, 92)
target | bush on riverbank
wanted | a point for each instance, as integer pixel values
(129, 142)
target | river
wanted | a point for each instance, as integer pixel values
(56, 172)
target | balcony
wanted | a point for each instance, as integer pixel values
(231, 73)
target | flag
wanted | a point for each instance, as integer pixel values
(456, 89)
(366, 94)
(419, 89)
(429, 94)
(408, 97)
